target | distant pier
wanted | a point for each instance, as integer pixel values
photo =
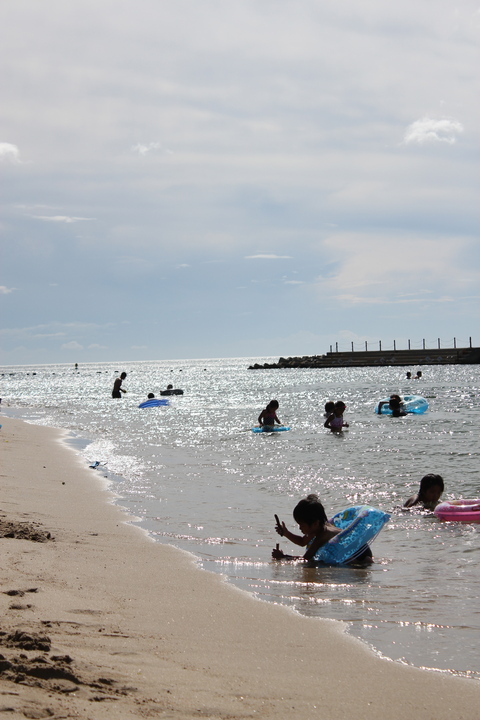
(379, 358)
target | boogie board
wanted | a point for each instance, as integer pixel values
(153, 402)
(270, 428)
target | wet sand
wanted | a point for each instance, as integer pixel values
(99, 621)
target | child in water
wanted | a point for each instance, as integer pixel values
(268, 416)
(429, 493)
(395, 403)
(329, 408)
(335, 420)
(316, 528)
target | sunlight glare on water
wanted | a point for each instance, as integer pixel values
(197, 477)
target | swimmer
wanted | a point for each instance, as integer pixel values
(429, 492)
(268, 416)
(316, 531)
(329, 408)
(335, 420)
(117, 386)
(395, 403)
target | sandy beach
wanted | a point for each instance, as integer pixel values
(99, 621)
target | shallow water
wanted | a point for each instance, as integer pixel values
(200, 479)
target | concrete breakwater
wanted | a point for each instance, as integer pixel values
(376, 358)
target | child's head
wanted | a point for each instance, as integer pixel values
(273, 405)
(150, 396)
(431, 488)
(340, 406)
(309, 511)
(329, 406)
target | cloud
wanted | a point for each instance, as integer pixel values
(268, 257)
(49, 335)
(5, 291)
(154, 147)
(9, 152)
(60, 218)
(73, 345)
(428, 130)
(404, 269)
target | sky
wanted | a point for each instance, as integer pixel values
(237, 178)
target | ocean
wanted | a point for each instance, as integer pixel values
(195, 476)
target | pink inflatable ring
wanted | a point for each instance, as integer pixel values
(459, 510)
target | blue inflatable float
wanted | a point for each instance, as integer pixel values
(410, 404)
(153, 402)
(360, 525)
(270, 428)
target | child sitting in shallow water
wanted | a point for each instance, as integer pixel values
(429, 492)
(316, 528)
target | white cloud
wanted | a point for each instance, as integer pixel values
(48, 335)
(373, 270)
(431, 130)
(60, 218)
(5, 291)
(154, 147)
(73, 345)
(268, 257)
(9, 152)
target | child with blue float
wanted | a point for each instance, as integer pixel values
(316, 531)
(268, 416)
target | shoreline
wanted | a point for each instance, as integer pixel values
(114, 624)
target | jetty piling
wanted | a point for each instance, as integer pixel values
(382, 357)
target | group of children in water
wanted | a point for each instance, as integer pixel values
(317, 530)
(310, 514)
(333, 413)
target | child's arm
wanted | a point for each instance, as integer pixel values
(278, 554)
(260, 418)
(283, 531)
(411, 501)
(327, 421)
(276, 418)
(317, 543)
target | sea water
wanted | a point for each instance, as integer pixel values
(195, 476)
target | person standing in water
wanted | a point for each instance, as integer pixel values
(335, 420)
(268, 416)
(117, 386)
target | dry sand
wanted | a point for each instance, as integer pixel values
(101, 622)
